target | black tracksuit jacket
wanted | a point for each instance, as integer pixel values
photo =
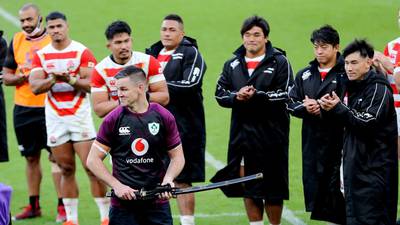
(184, 75)
(259, 129)
(322, 142)
(370, 150)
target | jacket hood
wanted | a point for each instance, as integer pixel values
(188, 41)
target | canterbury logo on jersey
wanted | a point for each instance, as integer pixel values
(234, 63)
(124, 131)
(363, 115)
(306, 75)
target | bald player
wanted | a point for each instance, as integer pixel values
(29, 108)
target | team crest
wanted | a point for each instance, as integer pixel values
(154, 128)
(113, 82)
(70, 65)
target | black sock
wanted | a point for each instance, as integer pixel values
(34, 202)
(60, 202)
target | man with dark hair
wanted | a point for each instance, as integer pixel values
(370, 139)
(183, 68)
(3, 121)
(321, 137)
(29, 113)
(138, 135)
(103, 89)
(63, 69)
(254, 83)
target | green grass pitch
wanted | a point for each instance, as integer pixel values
(215, 24)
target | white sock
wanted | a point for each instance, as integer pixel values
(187, 220)
(71, 209)
(104, 206)
(261, 222)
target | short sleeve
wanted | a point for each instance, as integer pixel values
(88, 59)
(386, 51)
(36, 62)
(397, 63)
(172, 135)
(10, 60)
(97, 82)
(105, 133)
(155, 71)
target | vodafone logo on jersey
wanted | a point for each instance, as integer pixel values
(140, 146)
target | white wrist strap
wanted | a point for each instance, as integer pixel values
(72, 80)
(100, 149)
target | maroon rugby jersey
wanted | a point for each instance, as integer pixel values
(139, 144)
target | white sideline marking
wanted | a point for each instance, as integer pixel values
(202, 215)
(214, 162)
(12, 19)
(287, 214)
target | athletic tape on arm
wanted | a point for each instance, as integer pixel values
(100, 149)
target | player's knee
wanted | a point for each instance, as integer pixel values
(67, 169)
(33, 160)
(256, 202)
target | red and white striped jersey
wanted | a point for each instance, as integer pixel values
(392, 50)
(252, 63)
(103, 75)
(323, 72)
(164, 56)
(63, 98)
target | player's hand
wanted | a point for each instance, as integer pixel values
(312, 106)
(25, 69)
(378, 56)
(328, 101)
(22, 78)
(124, 192)
(62, 76)
(245, 93)
(167, 195)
